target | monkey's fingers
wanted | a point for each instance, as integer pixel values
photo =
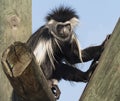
(106, 40)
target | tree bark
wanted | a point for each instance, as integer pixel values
(15, 25)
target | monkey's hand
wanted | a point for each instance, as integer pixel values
(106, 41)
(96, 58)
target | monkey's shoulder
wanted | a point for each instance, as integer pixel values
(42, 33)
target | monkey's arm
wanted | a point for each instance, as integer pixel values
(91, 53)
(87, 54)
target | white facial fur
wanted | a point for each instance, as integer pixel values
(73, 22)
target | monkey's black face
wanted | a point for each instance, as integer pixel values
(63, 30)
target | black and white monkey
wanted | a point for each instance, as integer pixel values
(57, 48)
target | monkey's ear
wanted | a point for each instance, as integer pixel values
(51, 22)
(74, 22)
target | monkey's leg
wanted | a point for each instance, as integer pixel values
(71, 73)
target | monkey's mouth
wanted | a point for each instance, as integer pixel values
(64, 36)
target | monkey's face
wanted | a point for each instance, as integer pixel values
(63, 30)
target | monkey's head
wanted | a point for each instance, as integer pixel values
(61, 22)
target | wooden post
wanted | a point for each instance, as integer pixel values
(15, 24)
(105, 82)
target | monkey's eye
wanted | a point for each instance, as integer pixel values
(59, 27)
(68, 26)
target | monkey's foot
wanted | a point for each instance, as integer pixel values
(56, 91)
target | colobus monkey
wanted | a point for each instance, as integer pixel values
(57, 48)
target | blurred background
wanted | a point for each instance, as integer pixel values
(97, 20)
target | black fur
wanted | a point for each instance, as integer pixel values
(62, 14)
(53, 66)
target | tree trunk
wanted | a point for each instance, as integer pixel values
(105, 82)
(15, 25)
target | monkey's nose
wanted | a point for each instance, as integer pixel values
(66, 30)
